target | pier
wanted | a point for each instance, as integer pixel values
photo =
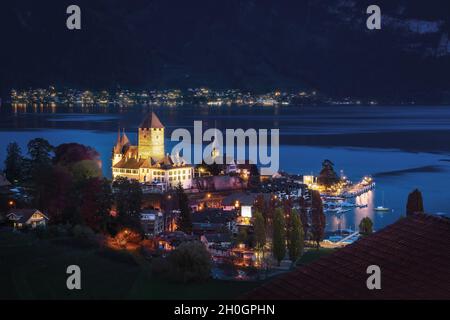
(358, 189)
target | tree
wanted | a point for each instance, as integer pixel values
(13, 163)
(317, 218)
(242, 236)
(128, 198)
(82, 161)
(296, 237)
(279, 235)
(185, 218)
(97, 200)
(39, 166)
(59, 195)
(259, 227)
(365, 226)
(328, 176)
(68, 154)
(40, 152)
(415, 203)
(190, 262)
(304, 216)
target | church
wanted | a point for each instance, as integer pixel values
(147, 162)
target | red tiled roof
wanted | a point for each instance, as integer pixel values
(413, 255)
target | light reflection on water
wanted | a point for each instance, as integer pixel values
(352, 218)
(98, 126)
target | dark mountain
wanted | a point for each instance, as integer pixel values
(254, 44)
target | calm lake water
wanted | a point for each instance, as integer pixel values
(401, 147)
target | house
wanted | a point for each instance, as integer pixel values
(22, 218)
(152, 222)
(4, 183)
(171, 240)
(212, 221)
(238, 199)
(412, 254)
(218, 244)
(216, 239)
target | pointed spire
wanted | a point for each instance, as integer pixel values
(118, 146)
(125, 139)
(118, 136)
(151, 120)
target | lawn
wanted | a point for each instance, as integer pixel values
(31, 268)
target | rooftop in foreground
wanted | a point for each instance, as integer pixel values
(413, 255)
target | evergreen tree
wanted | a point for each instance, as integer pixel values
(415, 203)
(328, 176)
(259, 227)
(40, 151)
(279, 235)
(304, 216)
(317, 218)
(242, 236)
(296, 237)
(365, 226)
(38, 168)
(185, 218)
(13, 163)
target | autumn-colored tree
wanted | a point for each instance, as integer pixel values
(279, 235)
(317, 218)
(296, 237)
(96, 205)
(59, 195)
(415, 203)
(68, 154)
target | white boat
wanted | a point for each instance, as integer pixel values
(382, 208)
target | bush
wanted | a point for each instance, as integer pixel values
(51, 231)
(82, 232)
(160, 266)
(190, 262)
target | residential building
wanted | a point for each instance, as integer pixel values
(23, 218)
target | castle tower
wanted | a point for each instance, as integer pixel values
(119, 147)
(151, 138)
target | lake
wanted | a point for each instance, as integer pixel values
(402, 147)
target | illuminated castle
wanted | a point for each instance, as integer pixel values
(147, 162)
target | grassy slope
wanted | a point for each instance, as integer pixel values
(35, 269)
